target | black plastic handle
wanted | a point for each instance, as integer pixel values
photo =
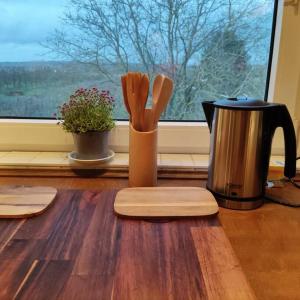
(209, 109)
(283, 119)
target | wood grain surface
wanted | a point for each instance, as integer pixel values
(79, 249)
(219, 265)
(288, 194)
(265, 240)
(25, 201)
(165, 202)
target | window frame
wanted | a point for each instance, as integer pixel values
(173, 137)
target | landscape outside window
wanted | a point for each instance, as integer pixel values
(210, 48)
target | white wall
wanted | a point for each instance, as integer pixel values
(287, 82)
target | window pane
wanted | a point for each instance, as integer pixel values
(210, 48)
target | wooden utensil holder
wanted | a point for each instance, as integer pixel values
(142, 158)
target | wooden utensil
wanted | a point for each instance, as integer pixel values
(143, 97)
(130, 86)
(150, 124)
(162, 91)
(137, 78)
(125, 97)
(165, 202)
(137, 86)
(156, 89)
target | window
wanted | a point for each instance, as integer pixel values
(211, 49)
(174, 137)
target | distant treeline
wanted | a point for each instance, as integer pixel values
(16, 79)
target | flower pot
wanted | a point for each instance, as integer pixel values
(91, 144)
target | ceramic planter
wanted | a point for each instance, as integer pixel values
(91, 144)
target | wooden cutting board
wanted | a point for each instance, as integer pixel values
(165, 202)
(24, 201)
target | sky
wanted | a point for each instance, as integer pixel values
(26, 23)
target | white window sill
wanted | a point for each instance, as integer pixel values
(44, 160)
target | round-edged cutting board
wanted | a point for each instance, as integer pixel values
(25, 201)
(165, 202)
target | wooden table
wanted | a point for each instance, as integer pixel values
(79, 249)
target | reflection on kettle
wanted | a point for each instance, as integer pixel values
(240, 148)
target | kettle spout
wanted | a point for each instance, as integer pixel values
(209, 109)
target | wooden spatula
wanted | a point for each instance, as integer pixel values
(143, 97)
(137, 80)
(131, 86)
(162, 91)
(125, 97)
(137, 85)
(156, 89)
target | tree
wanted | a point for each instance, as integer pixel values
(224, 65)
(168, 36)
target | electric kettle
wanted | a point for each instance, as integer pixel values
(240, 147)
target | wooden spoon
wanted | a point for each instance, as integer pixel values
(125, 97)
(137, 78)
(162, 92)
(133, 85)
(130, 85)
(143, 97)
(156, 89)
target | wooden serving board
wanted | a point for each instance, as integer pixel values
(165, 202)
(24, 201)
(79, 249)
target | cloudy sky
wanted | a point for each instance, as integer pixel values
(26, 23)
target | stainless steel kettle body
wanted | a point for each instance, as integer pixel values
(240, 145)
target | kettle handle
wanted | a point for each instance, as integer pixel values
(209, 110)
(282, 118)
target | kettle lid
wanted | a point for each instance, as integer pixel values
(242, 104)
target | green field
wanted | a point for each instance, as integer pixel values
(36, 89)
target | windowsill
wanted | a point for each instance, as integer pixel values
(17, 159)
(59, 160)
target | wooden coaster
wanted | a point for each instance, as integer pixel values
(24, 201)
(165, 202)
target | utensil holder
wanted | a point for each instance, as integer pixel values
(142, 158)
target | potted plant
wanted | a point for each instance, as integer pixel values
(88, 116)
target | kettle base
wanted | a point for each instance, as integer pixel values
(240, 204)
